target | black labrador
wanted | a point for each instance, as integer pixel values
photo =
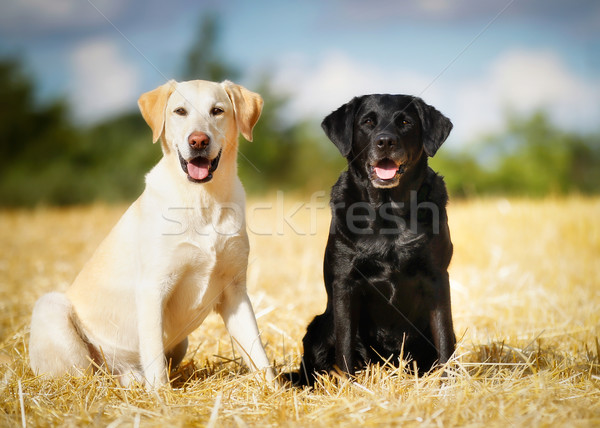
(386, 261)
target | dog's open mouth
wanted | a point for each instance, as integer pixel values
(200, 169)
(386, 171)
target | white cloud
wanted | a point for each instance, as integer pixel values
(318, 90)
(522, 80)
(104, 82)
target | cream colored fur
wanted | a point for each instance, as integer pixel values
(179, 252)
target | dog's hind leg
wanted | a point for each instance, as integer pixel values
(55, 345)
(319, 349)
(176, 353)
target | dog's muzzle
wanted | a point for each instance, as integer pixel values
(200, 169)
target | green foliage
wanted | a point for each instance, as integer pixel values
(33, 141)
(532, 157)
(203, 60)
(46, 159)
(287, 157)
(118, 153)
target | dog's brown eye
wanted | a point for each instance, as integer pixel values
(405, 122)
(217, 111)
(180, 111)
(368, 121)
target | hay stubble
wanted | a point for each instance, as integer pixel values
(526, 297)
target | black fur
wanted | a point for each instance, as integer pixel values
(386, 261)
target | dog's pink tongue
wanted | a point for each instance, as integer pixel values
(386, 169)
(198, 169)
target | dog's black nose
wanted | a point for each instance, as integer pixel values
(198, 140)
(386, 141)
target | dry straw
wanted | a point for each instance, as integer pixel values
(526, 298)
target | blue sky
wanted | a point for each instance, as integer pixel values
(472, 59)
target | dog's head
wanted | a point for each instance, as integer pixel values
(199, 121)
(384, 136)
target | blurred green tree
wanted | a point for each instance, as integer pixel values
(204, 59)
(118, 153)
(531, 157)
(284, 155)
(33, 142)
(45, 158)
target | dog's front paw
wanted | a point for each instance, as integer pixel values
(269, 376)
(129, 379)
(152, 383)
(156, 383)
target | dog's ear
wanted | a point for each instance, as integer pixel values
(247, 106)
(339, 126)
(436, 126)
(153, 104)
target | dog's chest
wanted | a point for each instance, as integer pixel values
(394, 266)
(196, 284)
(395, 248)
(200, 259)
(210, 254)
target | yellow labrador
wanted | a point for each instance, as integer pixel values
(180, 250)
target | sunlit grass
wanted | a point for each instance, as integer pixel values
(526, 298)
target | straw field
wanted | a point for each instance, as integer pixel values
(526, 305)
